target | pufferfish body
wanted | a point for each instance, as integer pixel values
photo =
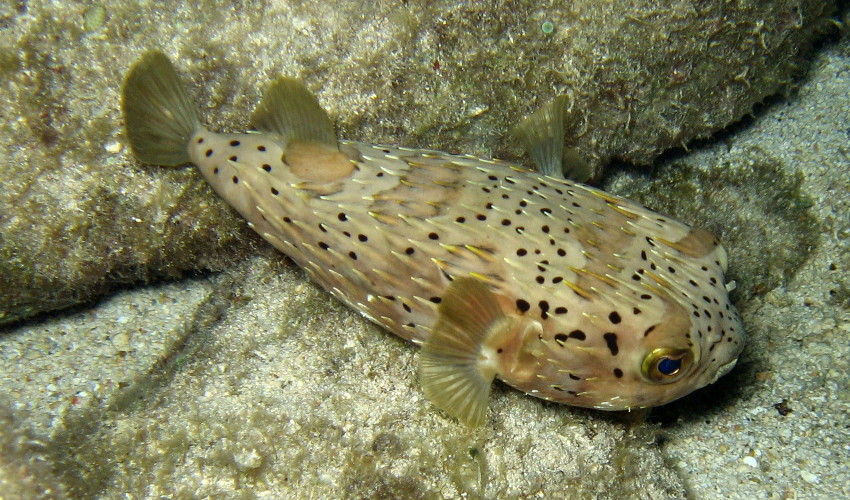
(558, 289)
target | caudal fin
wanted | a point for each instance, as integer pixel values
(158, 116)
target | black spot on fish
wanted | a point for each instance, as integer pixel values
(287, 220)
(352, 255)
(461, 220)
(560, 337)
(433, 236)
(409, 250)
(614, 317)
(209, 153)
(611, 340)
(578, 335)
(342, 217)
(235, 180)
(322, 227)
(560, 310)
(618, 373)
(481, 217)
(540, 280)
(522, 305)
(234, 143)
(557, 279)
(562, 252)
(275, 191)
(649, 330)
(200, 140)
(573, 377)
(267, 167)
(506, 222)
(323, 245)
(436, 300)
(545, 229)
(405, 306)
(646, 296)
(261, 148)
(636, 311)
(234, 158)
(363, 238)
(215, 171)
(521, 252)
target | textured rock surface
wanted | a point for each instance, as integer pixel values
(79, 215)
(252, 382)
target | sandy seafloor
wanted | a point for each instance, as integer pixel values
(254, 383)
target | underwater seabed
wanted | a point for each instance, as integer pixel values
(250, 381)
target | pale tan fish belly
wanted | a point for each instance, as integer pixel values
(560, 290)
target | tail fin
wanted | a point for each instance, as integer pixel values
(158, 116)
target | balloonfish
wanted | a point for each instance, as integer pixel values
(558, 289)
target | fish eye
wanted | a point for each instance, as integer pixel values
(665, 365)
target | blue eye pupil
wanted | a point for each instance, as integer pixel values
(669, 366)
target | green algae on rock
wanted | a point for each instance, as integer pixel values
(751, 202)
(455, 75)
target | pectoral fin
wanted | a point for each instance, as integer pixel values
(542, 134)
(458, 362)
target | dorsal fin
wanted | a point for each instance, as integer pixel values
(455, 367)
(291, 111)
(310, 148)
(542, 135)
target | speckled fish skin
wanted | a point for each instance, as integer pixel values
(597, 282)
(386, 240)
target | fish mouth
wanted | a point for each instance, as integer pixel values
(724, 369)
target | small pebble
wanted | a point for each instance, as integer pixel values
(751, 461)
(94, 18)
(809, 477)
(113, 147)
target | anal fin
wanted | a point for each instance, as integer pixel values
(457, 364)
